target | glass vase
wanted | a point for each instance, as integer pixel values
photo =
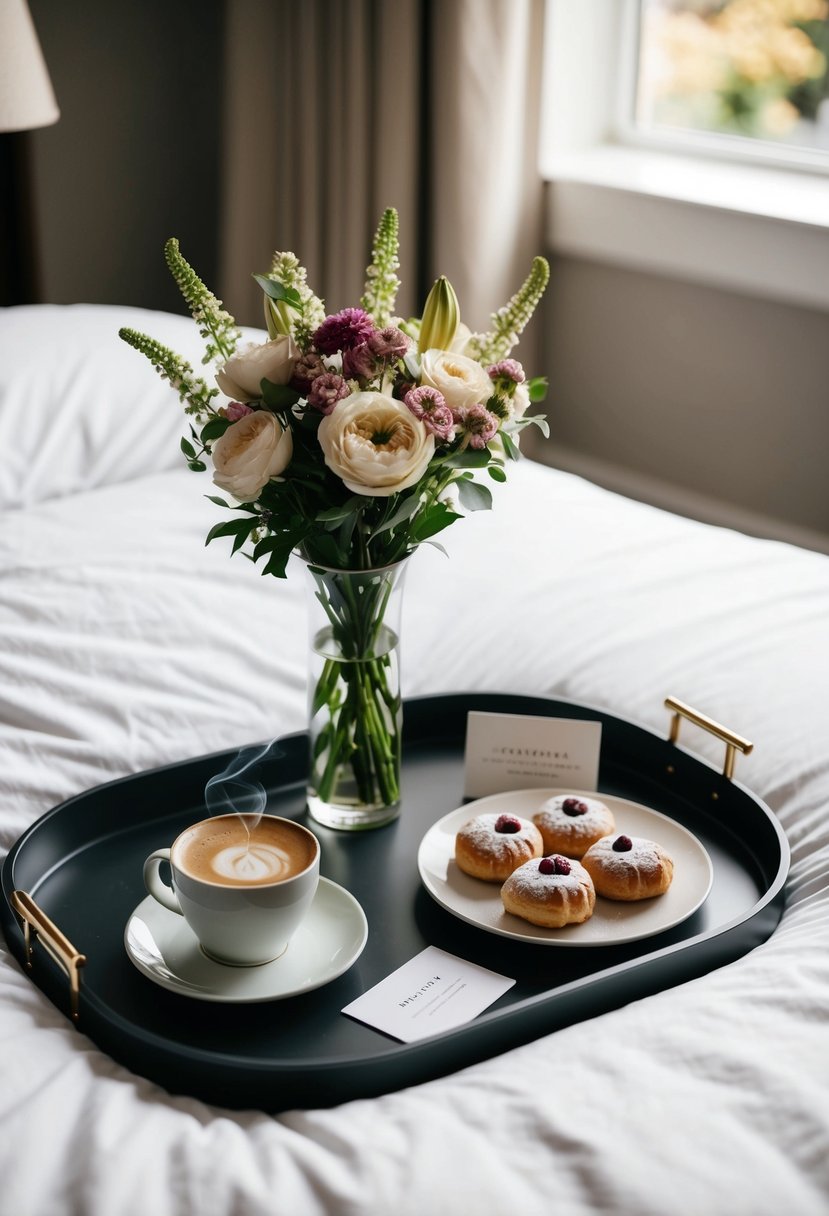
(354, 703)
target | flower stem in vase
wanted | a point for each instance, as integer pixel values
(355, 705)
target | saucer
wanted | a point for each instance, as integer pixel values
(164, 948)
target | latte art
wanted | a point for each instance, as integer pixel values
(241, 851)
(253, 863)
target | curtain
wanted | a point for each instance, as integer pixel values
(336, 109)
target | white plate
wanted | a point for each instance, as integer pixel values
(164, 948)
(612, 922)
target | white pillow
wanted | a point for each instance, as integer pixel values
(78, 407)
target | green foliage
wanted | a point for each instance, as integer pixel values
(278, 396)
(216, 326)
(170, 366)
(291, 306)
(474, 496)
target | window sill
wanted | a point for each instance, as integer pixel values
(750, 229)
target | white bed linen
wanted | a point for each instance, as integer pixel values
(127, 644)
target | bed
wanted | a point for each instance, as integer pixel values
(127, 645)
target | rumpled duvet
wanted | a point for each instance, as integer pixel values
(125, 643)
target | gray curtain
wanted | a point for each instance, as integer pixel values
(335, 109)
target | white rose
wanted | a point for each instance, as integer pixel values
(241, 377)
(250, 452)
(375, 444)
(462, 381)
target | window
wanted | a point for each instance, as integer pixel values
(751, 75)
(634, 182)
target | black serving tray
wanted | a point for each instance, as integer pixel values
(82, 861)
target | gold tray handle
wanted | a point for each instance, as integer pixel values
(733, 742)
(35, 921)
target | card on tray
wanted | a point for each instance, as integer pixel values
(516, 751)
(433, 992)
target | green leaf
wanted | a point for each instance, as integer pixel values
(405, 510)
(233, 527)
(473, 496)
(214, 429)
(278, 396)
(345, 534)
(540, 421)
(432, 521)
(326, 550)
(469, 458)
(277, 565)
(276, 291)
(537, 388)
(510, 446)
(198, 466)
(239, 541)
(497, 473)
(220, 502)
(188, 449)
(337, 514)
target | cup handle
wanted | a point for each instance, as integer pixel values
(152, 881)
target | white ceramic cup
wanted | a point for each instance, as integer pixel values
(241, 925)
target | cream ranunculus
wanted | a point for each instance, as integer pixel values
(375, 444)
(241, 377)
(462, 381)
(250, 452)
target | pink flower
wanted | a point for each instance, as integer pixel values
(236, 410)
(429, 405)
(306, 369)
(359, 362)
(508, 371)
(441, 423)
(326, 391)
(389, 343)
(478, 426)
(343, 330)
(423, 400)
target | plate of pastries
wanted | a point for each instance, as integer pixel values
(564, 867)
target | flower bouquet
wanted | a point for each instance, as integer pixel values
(350, 439)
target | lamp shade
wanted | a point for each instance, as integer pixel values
(26, 96)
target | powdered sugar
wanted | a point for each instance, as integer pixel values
(528, 881)
(480, 834)
(644, 856)
(596, 818)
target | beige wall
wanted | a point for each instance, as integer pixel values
(701, 400)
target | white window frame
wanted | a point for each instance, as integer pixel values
(687, 208)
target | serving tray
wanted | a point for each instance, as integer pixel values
(72, 880)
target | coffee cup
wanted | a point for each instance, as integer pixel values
(243, 883)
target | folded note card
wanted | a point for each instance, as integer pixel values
(520, 752)
(433, 992)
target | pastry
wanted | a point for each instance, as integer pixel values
(569, 824)
(629, 867)
(492, 846)
(552, 892)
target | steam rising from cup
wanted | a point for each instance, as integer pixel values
(236, 790)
